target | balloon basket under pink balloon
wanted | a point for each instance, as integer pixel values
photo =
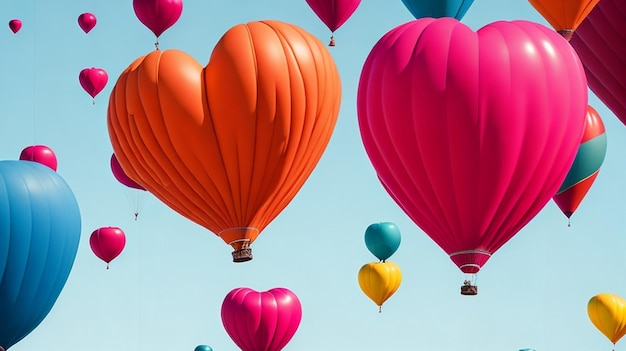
(242, 255)
(468, 289)
(332, 41)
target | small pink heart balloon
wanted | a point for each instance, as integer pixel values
(87, 21)
(107, 243)
(41, 154)
(158, 15)
(15, 25)
(93, 80)
(471, 133)
(261, 321)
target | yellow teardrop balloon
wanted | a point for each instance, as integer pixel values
(379, 281)
(607, 312)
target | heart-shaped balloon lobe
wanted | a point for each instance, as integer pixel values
(261, 321)
(471, 133)
(228, 145)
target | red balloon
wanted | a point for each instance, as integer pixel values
(107, 243)
(459, 132)
(158, 15)
(41, 154)
(121, 176)
(261, 321)
(93, 80)
(15, 25)
(600, 43)
(87, 21)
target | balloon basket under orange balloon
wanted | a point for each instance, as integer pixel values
(468, 289)
(242, 255)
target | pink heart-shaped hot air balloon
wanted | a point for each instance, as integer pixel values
(158, 15)
(121, 176)
(471, 133)
(15, 25)
(87, 21)
(261, 321)
(41, 154)
(107, 243)
(600, 42)
(93, 80)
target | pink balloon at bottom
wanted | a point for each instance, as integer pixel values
(261, 321)
(41, 154)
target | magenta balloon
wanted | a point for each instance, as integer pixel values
(600, 42)
(15, 25)
(41, 154)
(87, 21)
(261, 321)
(471, 133)
(121, 176)
(158, 15)
(107, 243)
(93, 80)
(333, 13)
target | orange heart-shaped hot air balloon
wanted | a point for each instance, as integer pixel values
(228, 145)
(564, 15)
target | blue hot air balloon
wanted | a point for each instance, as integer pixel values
(39, 234)
(438, 8)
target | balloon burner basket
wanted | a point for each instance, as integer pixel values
(469, 289)
(242, 255)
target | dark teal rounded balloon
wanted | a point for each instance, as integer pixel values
(438, 8)
(382, 239)
(203, 348)
(39, 234)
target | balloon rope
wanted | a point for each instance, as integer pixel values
(380, 309)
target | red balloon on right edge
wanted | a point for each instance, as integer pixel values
(600, 43)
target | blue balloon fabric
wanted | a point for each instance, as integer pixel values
(382, 239)
(438, 8)
(40, 228)
(203, 348)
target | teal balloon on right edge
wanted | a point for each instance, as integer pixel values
(438, 8)
(203, 348)
(382, 239)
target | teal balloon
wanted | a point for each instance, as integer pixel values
(40, 228)
(438, 8)
(203, 348)
(382, 239)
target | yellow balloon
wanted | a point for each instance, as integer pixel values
(607, 312)
(380, 280)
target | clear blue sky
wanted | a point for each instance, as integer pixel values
(165, 290)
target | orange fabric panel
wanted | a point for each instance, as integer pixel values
(228, 145)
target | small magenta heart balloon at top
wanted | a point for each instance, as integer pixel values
(158, 15)
(382, 239)
(87, 21)
(471, 132)
(261, 321)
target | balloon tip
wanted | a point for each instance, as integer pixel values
(566, 33)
